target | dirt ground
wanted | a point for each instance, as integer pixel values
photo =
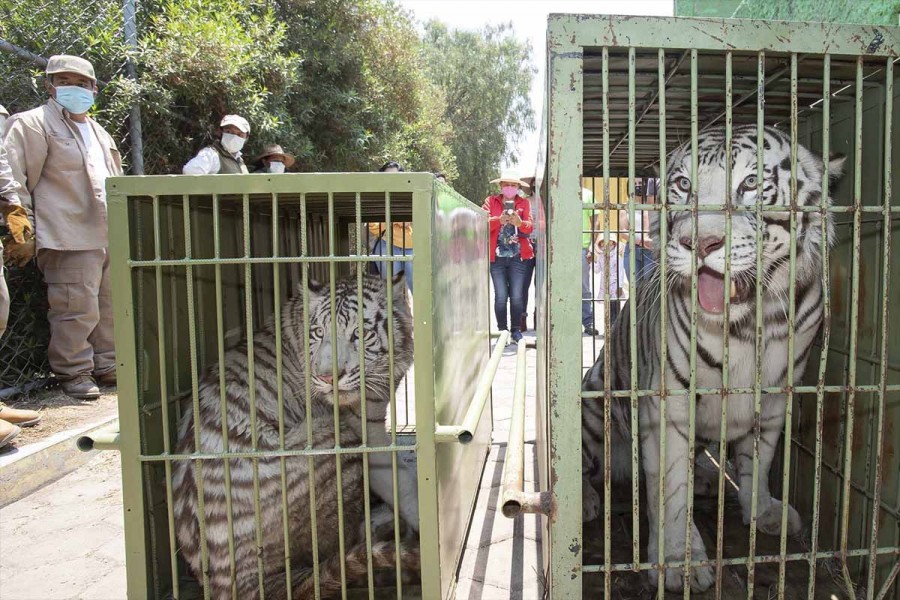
(59, 413)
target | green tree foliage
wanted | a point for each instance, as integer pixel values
(41, 28)
(369, 100)
(486, 77)
(336, 82)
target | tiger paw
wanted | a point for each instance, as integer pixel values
(701, 579)
(770, 521)
(590, 501)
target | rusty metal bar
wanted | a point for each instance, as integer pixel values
(726, 335)
(662, 191)
(854, 329)
(886, 197)
(758, 338)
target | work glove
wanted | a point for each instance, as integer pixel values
(20, 246)
(18, 224)
(18, 254)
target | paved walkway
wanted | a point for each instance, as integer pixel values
(66, 540)
(503, 556)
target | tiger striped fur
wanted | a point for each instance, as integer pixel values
(710, 189)
(265, 542)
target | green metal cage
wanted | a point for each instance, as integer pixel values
(200, 263)
(623, 93)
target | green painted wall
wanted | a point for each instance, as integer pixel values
(882, 12)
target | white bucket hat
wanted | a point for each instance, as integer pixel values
(236, 120)
(510, 177)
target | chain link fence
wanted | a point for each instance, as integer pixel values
(102, 31)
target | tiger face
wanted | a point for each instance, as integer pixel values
(334, 361)
(746, 190)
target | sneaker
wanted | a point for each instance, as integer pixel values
(589, 330)
(22, 418)
(516, 336)
(8, 432)
(107, 379)
(81, 387)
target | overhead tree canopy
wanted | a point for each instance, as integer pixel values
(486, 77)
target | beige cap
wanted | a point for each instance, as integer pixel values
(236, 120)
(275, 151)
(509, 177)
(3, 111)
(66, 63)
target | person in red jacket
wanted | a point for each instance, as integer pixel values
(510, 225)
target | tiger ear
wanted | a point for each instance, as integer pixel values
(316, 289)
(836, 163)
(398, 288)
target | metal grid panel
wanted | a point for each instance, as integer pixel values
(207, 261)
(648, 86)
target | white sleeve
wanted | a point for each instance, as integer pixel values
(205, 163)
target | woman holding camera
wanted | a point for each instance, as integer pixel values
(510, 225)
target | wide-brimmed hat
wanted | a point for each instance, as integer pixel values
(236, 120)
(276, 150)
(66, 63)
(509, 177)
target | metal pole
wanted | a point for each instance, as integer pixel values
(134, 116)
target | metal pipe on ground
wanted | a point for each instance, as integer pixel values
(105, 439)
(515, 499)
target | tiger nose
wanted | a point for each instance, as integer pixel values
(705, 245)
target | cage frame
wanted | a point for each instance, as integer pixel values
(440, 546)
(569, 38)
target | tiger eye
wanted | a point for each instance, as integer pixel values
(749, 183)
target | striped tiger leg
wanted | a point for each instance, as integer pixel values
(676, 498)
(768, 509)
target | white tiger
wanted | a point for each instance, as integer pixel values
(710, 189)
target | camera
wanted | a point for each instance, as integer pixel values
(509, 207)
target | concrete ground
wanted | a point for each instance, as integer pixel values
(66, 540)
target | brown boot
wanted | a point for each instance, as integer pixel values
(81, 387)
(107, 379)
(17, 416)
(8, 432)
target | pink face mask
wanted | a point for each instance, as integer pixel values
(509, 191)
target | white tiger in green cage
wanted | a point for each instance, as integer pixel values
(710, 189)
(241, 556)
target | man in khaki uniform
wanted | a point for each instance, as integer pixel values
(20, 232)
(61, 159)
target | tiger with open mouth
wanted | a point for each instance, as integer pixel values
(710, 188)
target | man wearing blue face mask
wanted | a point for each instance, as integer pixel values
(224, 155)
(61, 158)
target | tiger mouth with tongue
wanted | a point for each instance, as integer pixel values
(711, 291)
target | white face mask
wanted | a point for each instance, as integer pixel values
(232, 143)
(276, 166)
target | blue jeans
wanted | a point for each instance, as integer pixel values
(510, 276)
(381, 249)
(587, 294)
(643, 264)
